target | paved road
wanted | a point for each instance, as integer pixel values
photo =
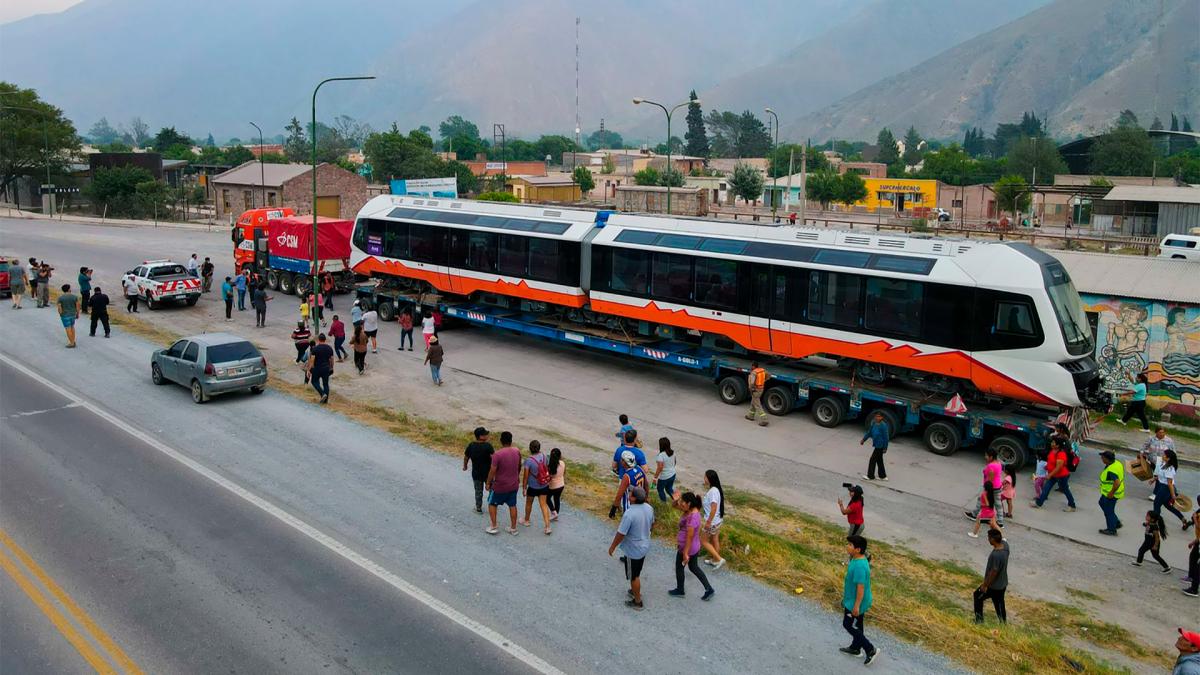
(186, 576)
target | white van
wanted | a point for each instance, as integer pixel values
(1180, 246)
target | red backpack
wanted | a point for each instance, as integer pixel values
(543, 472)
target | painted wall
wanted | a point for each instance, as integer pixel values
(1158, 338)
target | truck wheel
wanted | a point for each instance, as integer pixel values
(779, 400)
(1010, 450)
(889, 417)
(942, 438)
(287, 284)
(303, 284)
(828, 411)
(387, 311)
(150, 302)
(732, 389)
(273, 279)
(192, 300)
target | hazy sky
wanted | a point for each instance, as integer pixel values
(19, 9)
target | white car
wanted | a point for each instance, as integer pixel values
(942, 215)
(160, 281)
(1180, 247)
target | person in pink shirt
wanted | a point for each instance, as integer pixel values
(1008, 490)
(993, 479)
(987, 513)
(688, 544)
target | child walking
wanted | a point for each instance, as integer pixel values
(1156, 531)
(1008, 489)
(1039, 471)
(986, 512)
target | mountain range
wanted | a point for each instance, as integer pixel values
(840, 68)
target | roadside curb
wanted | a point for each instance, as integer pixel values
(116, 222)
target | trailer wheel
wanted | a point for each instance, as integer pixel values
(942, 438)
(1010, 450)
(890, 418)
(273, 279)
(303, 285)
(387, 311)
(829, 411)
(732, 389)
(779, 400)
(287, 283)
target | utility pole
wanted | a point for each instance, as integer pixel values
(787, 200)
(803, 184)
(575, 150)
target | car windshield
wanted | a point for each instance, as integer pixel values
(1068, 309)
(167, 271)
(232, 351)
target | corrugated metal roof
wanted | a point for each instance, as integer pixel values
(1133, 276)
(1154, 193)
(249, 174)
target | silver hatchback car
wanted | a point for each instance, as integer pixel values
(212, 363)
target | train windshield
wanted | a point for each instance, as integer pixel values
(1068, 309)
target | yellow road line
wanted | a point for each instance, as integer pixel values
(56, 617)
(117, 654)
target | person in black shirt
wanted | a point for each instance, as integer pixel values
(206, 273)
(320, 367)
(479, 455)
(99, 306)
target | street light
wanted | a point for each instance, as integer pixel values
(45, 146)
(638, 101)
(262, 172)
(774, 169)
(312, 310)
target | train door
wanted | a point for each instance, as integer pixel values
(779, 294)
(457, 251)
(762, 292)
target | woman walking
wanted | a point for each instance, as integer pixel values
(406, 328)
(1164, 486)
(427, 327)
(17, 280)
(535, 483)
(688, 545)
(358, 343)
(664, 471)
(714, 515)
(854, 510)
(434, 356)
(993, 481)
(1137, 403)
(1193, 576)
(1156, 531)
(558, 481)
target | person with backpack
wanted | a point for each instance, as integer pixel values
(632, 476)
(1059, 465)
(535, 482)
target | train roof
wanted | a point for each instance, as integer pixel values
(528, 220)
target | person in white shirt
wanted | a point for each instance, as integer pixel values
(664, 470)
(714, 515)
(427, 327)
(193, 266)
(1164, 486)
(131, 293)
(370, 321)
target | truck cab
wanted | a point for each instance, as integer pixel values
(249, 224)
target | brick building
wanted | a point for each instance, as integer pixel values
(340, 193)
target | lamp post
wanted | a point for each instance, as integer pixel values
(262, 172)
(639, 101)
(774, 172)
(313, 290)
(45, 145)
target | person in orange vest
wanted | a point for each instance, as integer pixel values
(757, 381)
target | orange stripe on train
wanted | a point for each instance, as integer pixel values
(460, 285)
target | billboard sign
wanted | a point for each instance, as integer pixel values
(427, 187)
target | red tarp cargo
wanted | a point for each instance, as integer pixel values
(292, 238)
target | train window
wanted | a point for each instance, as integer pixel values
(360, 233)
(834, 298)
(1014, 318)
(672, 278)
(636, 237)
(481, 251)
(716, 283)
(942, 301)
(630, 271)
(404, 213)
(568, 263)
(520, 225)
(678, 241)
(790, 294)
(489, 221)
(551, 228)
(780, 251)
(831, 256)
(512, 255)
(425, 243)
(543, 259)
(893, 306)
(731, 246)
(395, 240)
(376, 229)
(895, 263)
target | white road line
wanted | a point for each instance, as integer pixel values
(31, 413)
(503, 643)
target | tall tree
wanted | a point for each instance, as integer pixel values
(140, 131)
(1190, 141)
(1008, 133)
(726, 129)
(753, 139)
(396, 155)
(851, 188)
(824, 187)
(1012, 193)
(1123, 151)
(455, 125)
(746, 182)
(296, 146)
(912, 147)
(696, 136)
(889, 150)
(1036, 160)
(102, 132)
(1157, 124)
(351, 130)
(1127, 120)
(583, 178)
(787, 157)
(605, 138)
(210, 141)
(27, 126)
(237, 155)
(168, 137)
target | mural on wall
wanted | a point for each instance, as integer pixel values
(1160, 339)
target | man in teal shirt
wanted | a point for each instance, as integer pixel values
(856, 599)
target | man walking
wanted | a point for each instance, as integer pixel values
(129, 282)
(434, 356)
(995, 578)
(227, 296)
(1112, 488)
(68, 311)
(479, 455)
(193, 266)
(633, 536)
(503, 481)
(258, 300)
(856, 599)
(206, 273)
(99, 303)
(320, 367)
(879, 433)
(241, 290)
(757, 381)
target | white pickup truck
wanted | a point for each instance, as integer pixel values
(160, 281)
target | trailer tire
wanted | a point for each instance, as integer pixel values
(828, 411)
(943, 438)
(387, 311)
(779, 400)
(287, 283)
(303, 285)
(1010, 450)
(889, 417)
(273, 279)
(733, 390)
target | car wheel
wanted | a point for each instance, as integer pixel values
(156, 375)
(192, 300)
(198, 392)
(150, 303)
(256, 390)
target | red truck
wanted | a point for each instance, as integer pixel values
(283, 253)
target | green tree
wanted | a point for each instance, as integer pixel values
(974, 143)
(746, 182)
(140, 131)
(753, 139)
(889, 150)
(210, 141)
(1184, 166)
(787, 157)
(351, 130)
(1012, 193)
(179, 151)
(1128, 120)
(101, 132)
(455, 126)
(115, 146)
(823, 187)
(851, 188)
(468, 182)
(27, 126)
(676, 147)
(274, 158)
(605, 138)
(1036, 156)
(168, 137)
(395, 155)
(296, 146)
(1123, 151)
(1157, 124)
(609, 166)
(672, 177)
(696, 137)
(726, 130)
(584, 179)
(1008, 133)
(238, 155)
(912, 147)
(555, 146)
(951, 165)
(116, 189)
(498, 196)
(647, 176)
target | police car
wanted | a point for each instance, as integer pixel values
(160, 281)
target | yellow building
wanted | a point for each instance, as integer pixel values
(553, 188)
(901, 195)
